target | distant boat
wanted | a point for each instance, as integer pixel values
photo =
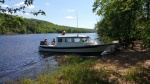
(74, 44)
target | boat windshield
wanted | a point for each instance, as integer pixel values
(76, 39)
(84, 39)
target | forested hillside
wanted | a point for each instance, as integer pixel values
(39, 26)
(21, 25)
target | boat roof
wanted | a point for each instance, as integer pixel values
(73, 36)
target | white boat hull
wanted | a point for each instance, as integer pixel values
(77, 49)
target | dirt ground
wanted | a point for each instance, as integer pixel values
(124, 59)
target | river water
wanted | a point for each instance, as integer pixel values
(20, 58)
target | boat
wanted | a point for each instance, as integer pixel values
(74, 44)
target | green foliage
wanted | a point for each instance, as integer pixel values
(146, 36)
(123, 19)
(10, 24)
(39, 26)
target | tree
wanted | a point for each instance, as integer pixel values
(146, 23)
(121, 19)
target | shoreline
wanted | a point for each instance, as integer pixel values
(126, 66)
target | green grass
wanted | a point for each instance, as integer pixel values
(137, 75)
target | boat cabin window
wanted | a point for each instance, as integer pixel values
(76, 39)
(68, 39)
(72, 39)
(59, 39)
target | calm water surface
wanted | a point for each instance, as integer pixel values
(19, 56)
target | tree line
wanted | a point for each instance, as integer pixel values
(15, 24)
(123, 20)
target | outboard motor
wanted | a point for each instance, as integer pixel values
(42, 43)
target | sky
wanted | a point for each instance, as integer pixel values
(74, 13)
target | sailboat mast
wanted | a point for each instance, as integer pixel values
(77, 18)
